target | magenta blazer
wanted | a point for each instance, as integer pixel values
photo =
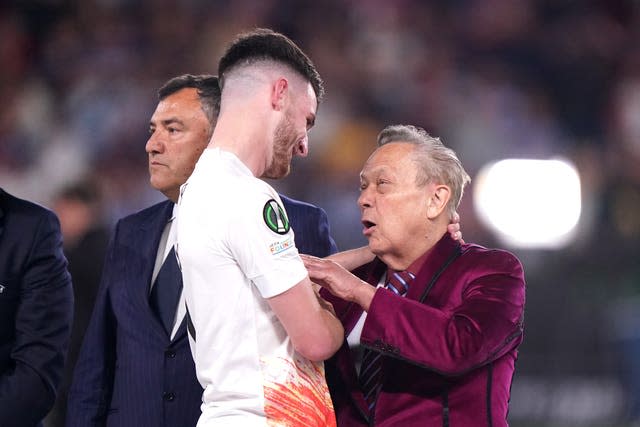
(449, 346)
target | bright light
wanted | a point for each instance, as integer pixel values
(529, 203)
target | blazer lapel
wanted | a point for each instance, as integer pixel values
(442, 255)
(146, 240)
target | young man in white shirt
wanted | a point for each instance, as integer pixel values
(259, 332)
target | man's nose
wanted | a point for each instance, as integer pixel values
(154, 143)
(364, 200)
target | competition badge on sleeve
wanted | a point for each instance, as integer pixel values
(275, 217)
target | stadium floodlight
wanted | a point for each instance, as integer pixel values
(529, 203)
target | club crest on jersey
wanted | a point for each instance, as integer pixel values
(275, 218)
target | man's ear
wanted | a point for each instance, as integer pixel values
(438, 199)
(279, 92)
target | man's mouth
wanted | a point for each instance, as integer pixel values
(368, 226)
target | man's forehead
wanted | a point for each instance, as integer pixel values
(313, 98)
(387, 157)
(373, 168)
(184, 102)
(184, 95)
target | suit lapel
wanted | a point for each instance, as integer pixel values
(441, 256)
(146, 238)
(371, 273)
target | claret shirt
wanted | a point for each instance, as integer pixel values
(236, 249)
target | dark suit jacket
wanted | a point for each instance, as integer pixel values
(449, 346)
(129, 373)
(36, 309)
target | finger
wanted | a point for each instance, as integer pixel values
(308, 261)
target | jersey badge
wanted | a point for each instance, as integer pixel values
(275, 217)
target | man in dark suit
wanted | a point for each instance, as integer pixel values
(36, 309)
(437, 321)
(132, 370)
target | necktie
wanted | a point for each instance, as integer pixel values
(166, 291)
(370, 371)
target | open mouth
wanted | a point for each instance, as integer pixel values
(368, 226)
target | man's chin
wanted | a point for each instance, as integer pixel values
(157, 184)
(374, 248)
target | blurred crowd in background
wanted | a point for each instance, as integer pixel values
(493, 78)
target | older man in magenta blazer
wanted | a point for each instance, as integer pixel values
(438, 321)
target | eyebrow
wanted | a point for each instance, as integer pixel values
(364, 176)
(167, 122)
(172, 120)
(375, 170)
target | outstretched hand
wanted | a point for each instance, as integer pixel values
(337, 280)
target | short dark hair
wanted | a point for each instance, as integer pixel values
(206, 86)
(264, 44)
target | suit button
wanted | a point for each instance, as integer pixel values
(170, 354)
(168, 396)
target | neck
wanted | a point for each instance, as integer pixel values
(246, 132)
(246, 123)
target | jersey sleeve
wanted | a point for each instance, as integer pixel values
(262, 242)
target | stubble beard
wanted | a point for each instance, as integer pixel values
(283, 141)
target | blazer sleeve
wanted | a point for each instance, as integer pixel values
(454, 338)
(43, 325)
(92, 383)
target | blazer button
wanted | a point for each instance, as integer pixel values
(170, 354)
(168, 396)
